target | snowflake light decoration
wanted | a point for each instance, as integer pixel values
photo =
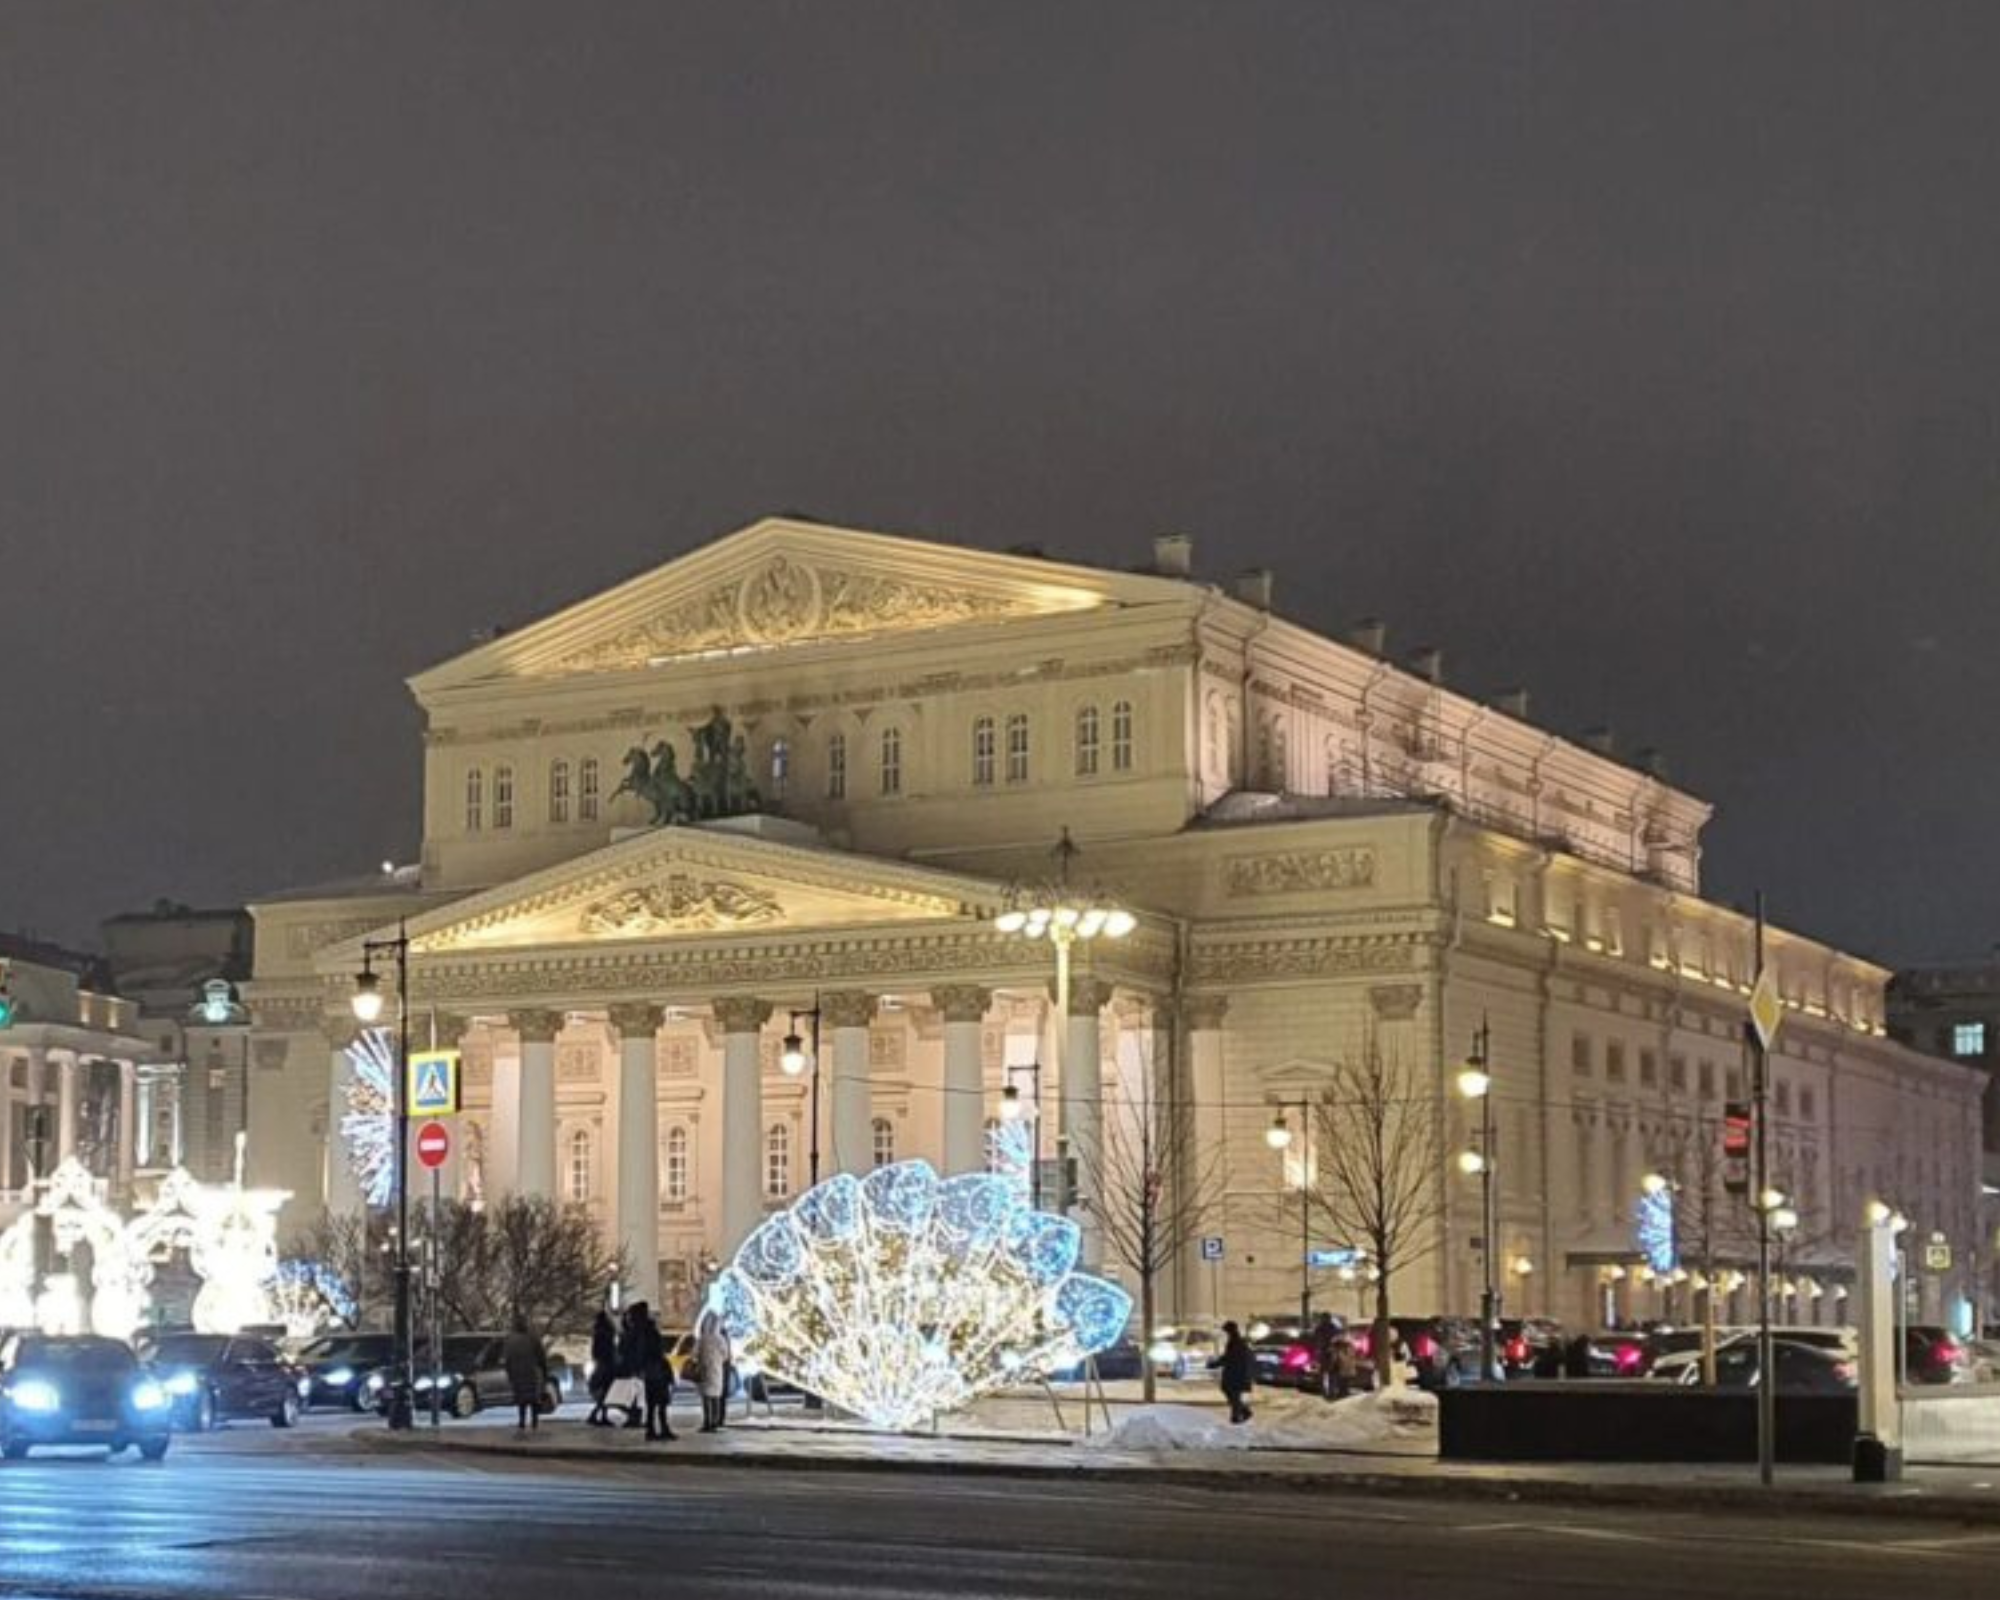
(1653, 1229)
(368, 1127)
(309, 1295)
(1010, 1153)
(901, 1295)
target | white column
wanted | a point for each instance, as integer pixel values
(128, 1124)
(1083, 1105)
(742, 1020)
(503, 1121)
(848, 1014)
(964, 1008)
(636, 1198)
(38, 1092)
(1202, 1288)
(343, 1190)
(535, 1128)
(67, 1070)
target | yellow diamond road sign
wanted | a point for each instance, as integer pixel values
(1767, 1010)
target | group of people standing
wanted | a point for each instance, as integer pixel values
(1336, 1365)
(631, 1370)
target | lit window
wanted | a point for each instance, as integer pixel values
(1086, 742)
(579, 1167)
(674, 1167)
(586, 790)
(892, 760)
(777, 1162)
(1017, 748)
(1121, 736)
(983, 747)
(1968, 1039)
(558, 791)
(503, 797)
(884, 1132)
(836, 767)
(475, 800)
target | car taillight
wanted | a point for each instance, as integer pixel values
(1844, 1371)
(1517, 1351)
(1364, 1344)
(1947, 1352)
(1423, 1347)
(1627, 1357)
(1297, 1357)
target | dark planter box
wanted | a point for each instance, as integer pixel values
(1636, 1421)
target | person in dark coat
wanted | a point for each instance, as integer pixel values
(655, 1375)
(603, 1366)
(1325, 1336)
(1238, 1367)
(527, 1364)
(632, 1361)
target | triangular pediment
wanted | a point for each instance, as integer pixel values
(781, 583)
(695, 883)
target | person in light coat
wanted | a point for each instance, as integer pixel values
(712, 1353)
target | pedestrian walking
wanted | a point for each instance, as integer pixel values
(527, 1364)
(1325, 1335)
(631, 1368)
(1346, 1367)
(603, 1366)
(655, 1376)
(1237, 1367)
(711, 1342)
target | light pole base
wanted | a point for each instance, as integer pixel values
(402, 1413)
(1876, 1462)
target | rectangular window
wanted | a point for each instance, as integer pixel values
(1649, 1070)
(1121, 736)
(983, 752)
(1968, 1039)
(1500, 899)
(559, 791)
(1808, 1102)
(1784, 1097)
(1677, 1074)
(1017, 748)
(475, 800)
(503, 797)
(1086, 742)
(1614, 1062)
(586, 790)
(1579, 1055)
(892, 760)
(1735, 1083)
(1707, 1080)
(836, 767)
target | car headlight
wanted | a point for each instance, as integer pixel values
(338, 1378)
(1164, 1351)
(35, 1396)
(183, 1383)
(424, 1383)
(148, 1396)
(375, 1382)
(305, 1388)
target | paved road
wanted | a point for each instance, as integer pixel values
(238, 1520)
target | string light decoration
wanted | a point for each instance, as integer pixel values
(368, 1128)
(308, 1296)
(901, 1296)
(1010, 1153)
(1653, 1229)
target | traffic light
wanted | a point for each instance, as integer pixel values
(6, 994)
(1736, 1146)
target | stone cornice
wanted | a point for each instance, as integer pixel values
(1308, 955)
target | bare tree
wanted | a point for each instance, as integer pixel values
(1375, 1169)
(343, 1255)
(526, 1257)
(1152, 1190)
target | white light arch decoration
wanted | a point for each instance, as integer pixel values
(368, 1125)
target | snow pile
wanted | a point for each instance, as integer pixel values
(1394, 1419)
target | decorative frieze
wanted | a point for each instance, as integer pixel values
(576, 1061)
(681, 903)
(1305, 957)
(1396, 1002)
(1299, 871)
(305, 939)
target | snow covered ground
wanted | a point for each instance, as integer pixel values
(1397, 1421)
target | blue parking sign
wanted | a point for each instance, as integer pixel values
(1211, 1247)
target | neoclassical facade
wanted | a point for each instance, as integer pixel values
(1320, 846)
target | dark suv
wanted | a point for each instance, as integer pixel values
(79, 1391)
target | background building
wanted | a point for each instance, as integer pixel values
(1327, 852)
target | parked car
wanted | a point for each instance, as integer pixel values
(214, 1378)
(337, 1366)
(1120, 1361)
(1530, 1347)
(83, 1390)
(1183, 1352)
(1679, 1354)
(1933, 1355)
(1612, 1353)
(1802, 1368)
(469, 1378)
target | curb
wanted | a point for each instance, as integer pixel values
(1905, 1503)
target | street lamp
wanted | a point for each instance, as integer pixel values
(1475, 1083)
(1065, 918)
(367, 1003)
(792, 1061)
(1279, 1137)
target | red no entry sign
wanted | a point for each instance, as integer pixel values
(433, 1144)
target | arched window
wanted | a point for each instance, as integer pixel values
(836, 766)
(892, 760)
(579, 1167)
(1086, 741)
(984, 748)
(559, 790)
(884, 1132)
(1121, 736)
(503, 797)
(674, 1166)
(777, 1162)
(1017, 748)
(475, 800)
(586, 790)
(781, 765)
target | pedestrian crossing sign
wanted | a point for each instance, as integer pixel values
(433, 1083)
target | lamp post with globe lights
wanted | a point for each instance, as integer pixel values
(1475, 1083)
(367, 1002)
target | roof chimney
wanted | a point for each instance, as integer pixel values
(1370, 634)
(1253, 587)
(1513, 701)
(1601, 739)
(1427, 661)
(1173, 555)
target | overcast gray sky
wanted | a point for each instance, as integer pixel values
(1644, 354)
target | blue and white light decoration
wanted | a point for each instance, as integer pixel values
(1010, 1153)
(368, 1126)
(1653, 1229)
(901, 1295)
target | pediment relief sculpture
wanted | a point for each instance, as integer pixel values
(681, 903)
(787, 600)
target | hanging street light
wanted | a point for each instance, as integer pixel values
(1475, 1083)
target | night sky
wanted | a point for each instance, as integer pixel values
(1642, 354)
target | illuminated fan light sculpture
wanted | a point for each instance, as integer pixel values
(900, 1296)
(368, 1125)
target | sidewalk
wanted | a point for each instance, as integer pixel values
(1962, 1494)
